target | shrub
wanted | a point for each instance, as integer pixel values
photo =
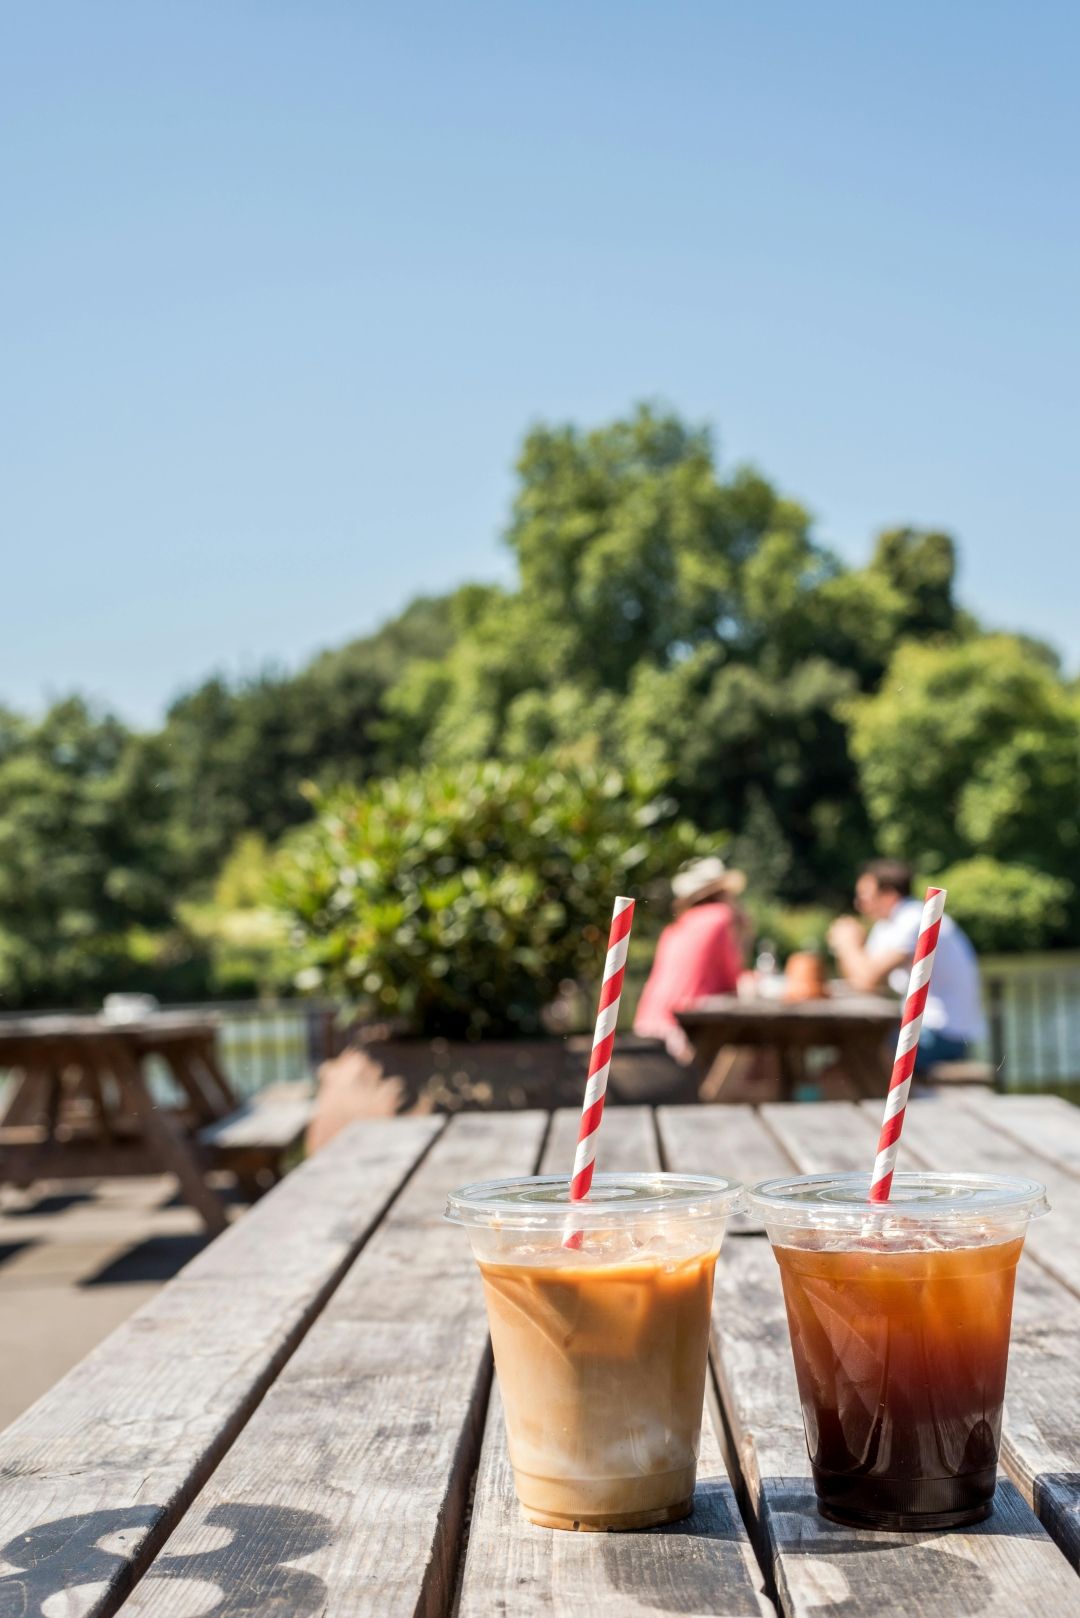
(787, 927)
(1006, 908)
(458, 900)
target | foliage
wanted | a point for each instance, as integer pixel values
(110, 841)
(82, 854)
(788, 928)
(971, 750)
(672, 622)
(1007, 908)
(235, 758)
(460, 899)
(241, 936)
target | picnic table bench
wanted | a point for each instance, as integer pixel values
(82, 1106)
(304, 1421)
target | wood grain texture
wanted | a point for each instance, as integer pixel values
(1046, 1125)
(701, 1566)
(346, 1491)
(1004, 1567)
(731, 1141)
(822, 1135)
(121, 1445)
(278, 1124)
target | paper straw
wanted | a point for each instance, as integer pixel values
(607, 1016)
(907, 1045)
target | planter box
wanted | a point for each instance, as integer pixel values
(378, 1077)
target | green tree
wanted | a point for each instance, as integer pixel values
(972, 752)
(83, 854)
(234, 758)
(673, 621)
(1007, 908)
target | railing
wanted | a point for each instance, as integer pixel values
(263, 1043)
(260, 1042)
(1033, 1012)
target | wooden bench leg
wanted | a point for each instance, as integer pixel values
(792, 1071)
(160, 1133)
(719, 1072)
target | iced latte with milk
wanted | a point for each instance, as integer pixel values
(599, 1315)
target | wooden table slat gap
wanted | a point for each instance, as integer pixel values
(168, 1394)
(1050, 1128)
(1000, 1568)
(1040, 1446)
(705, 1566)
(357, 1464)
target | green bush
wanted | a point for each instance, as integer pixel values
(240, 937)
(459, 900)
(787, 927)
(1006, 908)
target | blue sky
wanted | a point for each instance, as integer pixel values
(282, 285)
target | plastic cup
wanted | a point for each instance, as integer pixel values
(600, 1348)
(899, 1315)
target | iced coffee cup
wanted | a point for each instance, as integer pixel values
(600, 1346)
(899, 1315)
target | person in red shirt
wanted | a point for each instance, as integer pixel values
(700, 953)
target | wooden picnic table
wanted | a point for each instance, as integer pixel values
(856, 1026)
(304, 1421)
(81, 1104)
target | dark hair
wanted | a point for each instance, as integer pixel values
(896, 875)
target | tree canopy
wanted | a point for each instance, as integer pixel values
(672, 621)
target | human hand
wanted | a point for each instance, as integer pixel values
(846, 933)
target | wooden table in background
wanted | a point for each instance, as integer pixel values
(304, 1421)
(81, 1106)
(857, 1026)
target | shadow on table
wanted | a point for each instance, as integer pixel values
(849, 1565)
(95, 1548)
(706, 1553)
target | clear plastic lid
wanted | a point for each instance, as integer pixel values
(830, 1200)
(542, 1202)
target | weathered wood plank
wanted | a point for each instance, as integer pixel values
(733, 1141)
(121, 1445)
(358, 1461)
(1005, 1566)
(1041, 1431)
(701, 1566)
(280, 1124)
(627, 1141)
(1048, 1125)
(822, 1135)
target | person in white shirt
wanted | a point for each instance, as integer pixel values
(953, 1019)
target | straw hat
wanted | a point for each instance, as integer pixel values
(702, 878)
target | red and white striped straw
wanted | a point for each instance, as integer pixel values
(607, 1016)
(907, 1044)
